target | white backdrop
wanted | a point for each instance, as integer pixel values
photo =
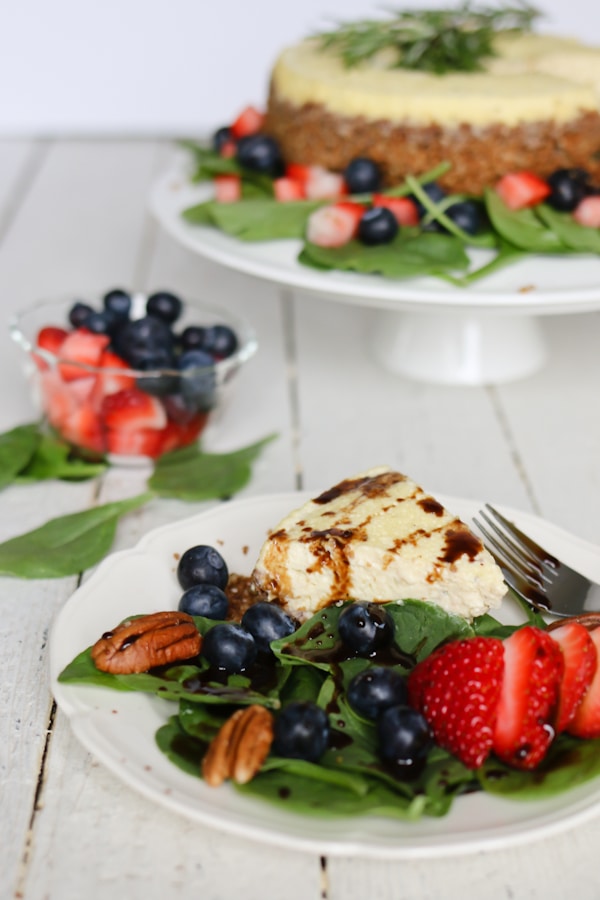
(180, 67)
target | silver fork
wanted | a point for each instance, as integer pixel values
(535, 575)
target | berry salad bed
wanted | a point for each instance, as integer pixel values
(351, 221)
(394, 709)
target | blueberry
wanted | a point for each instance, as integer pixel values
(197, 383)
(229, 647)
(202, 565)
(220, 340)
(404, 736)
(374, 690)
(467, 215)
(192, 337)
(377, 226)
(301, 731)
(79, 313)
(101, 322)
(365, 627)
(145, 341)
(267, 622)
(206, 600)
(221, 137)
(433, 191)
(164, 306)
(569, 187)
(162, 383)
(118, 302)
(362, 176)
(260, 153)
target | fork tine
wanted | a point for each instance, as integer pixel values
(513, 556)
(519, 581)
(538, 554)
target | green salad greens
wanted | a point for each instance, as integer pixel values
(417, 251)
(311, 664)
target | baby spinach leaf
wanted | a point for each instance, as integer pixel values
(17, 448)
(68, 544)
(438, 214)
(521, 228)
(53, 459)
(255, 219)
(190, 474)
(571, 233)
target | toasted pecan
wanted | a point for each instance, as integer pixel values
(137, 645)
(240, 747)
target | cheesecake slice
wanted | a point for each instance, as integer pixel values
(377, 537)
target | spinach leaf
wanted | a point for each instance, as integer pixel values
(255, 219)
(68, 544)
(53, 458)
(17, 448)
(521, 228)
(573, 235)
(191, 474)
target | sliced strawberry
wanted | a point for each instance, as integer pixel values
(533, 668)
(249, 121)
(83, 347)
(57, 400)
(139, 442)
(521, 189)
(113, 378)
(587, 212)
(131, 410)
(286, 189)
(228, 188)
(586, 721)
(84, 429)
(176, 435)
(581, 660)
(50, 338)
(404, 209)
(298, 172)
(321, 184)
(457, 689)
(228, 149)
(334, 226)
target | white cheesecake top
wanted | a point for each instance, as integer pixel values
(533, 78)
(377, 537)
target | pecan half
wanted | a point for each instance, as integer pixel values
(137, 645)
(240, 747)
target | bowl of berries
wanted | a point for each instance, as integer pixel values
(127, 375)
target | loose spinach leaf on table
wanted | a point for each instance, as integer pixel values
(17, 447)
(68, 544)
(53, 458)
(191, 474)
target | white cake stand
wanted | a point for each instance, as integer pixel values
(421, 328)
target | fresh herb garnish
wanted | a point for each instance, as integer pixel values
(430, 40)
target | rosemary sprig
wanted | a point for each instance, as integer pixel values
(431, 40)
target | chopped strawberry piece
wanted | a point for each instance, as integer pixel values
(176, 435)
(587, 212)
(404, 209)
(286, 189)
(139, 442)
(50, 338)
(249, 121)
(533, 668)
(132, 410)
(57, 400)
(581, 660)
(334, 226)
(228, 188)
(113, 379)
(521, 189)
(84, 429)
(457, 689)
(298, 172)
(84, 348)
(321, 184)
(586, 721)
(228, 149)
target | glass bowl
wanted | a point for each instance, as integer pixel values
(142, 387)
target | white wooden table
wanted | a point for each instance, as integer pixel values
(73, 216)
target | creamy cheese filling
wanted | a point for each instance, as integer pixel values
(534, 78)
(377, 537)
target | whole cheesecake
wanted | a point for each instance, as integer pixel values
(534, 106)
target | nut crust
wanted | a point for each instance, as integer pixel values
(240, 747)
(137, 645)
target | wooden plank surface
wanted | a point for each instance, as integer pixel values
(73, 215)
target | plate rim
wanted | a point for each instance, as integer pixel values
(432, 846)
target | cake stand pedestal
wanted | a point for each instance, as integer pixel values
(457, 347)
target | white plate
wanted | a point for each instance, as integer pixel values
(119, 728)
(536, 285)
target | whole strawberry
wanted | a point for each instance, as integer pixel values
(533, 669)
(457, 689)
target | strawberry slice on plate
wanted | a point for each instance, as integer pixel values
(249, 121)
(335, 225)
(286, 188)
(132, 410)
(228, 188)
(581, 659)
(587, 212)
(533, 668)
(321, 184)
(404, 209)
(519, 190)
(457, 690)
(586, 721)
